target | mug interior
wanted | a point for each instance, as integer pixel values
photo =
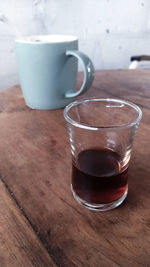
(53, 38)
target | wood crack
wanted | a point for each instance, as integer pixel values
(33, 226)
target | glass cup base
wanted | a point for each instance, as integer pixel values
(102, 206)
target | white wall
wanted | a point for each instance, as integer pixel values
(110, 31)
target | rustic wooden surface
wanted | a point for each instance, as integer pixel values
(19, 246)
(40, 222)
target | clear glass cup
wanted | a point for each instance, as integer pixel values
(101, 135)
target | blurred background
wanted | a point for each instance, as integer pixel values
(109, 31)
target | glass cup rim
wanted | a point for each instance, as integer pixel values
(87, 127)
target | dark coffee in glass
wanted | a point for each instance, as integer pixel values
(101, 135)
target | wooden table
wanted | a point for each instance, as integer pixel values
(40, 222)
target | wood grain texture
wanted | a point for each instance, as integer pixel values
(35, 164)
(19, 246)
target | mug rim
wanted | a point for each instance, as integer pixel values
(27, 39)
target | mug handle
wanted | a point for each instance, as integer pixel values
(88, 72)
